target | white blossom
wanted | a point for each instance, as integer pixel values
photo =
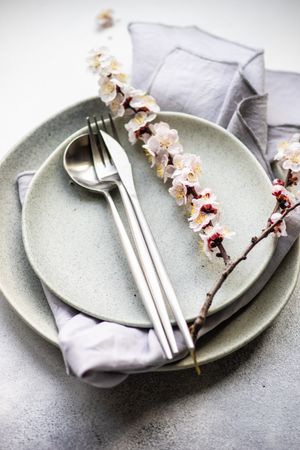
(188, 166)
(161, 162)
(163, 138)
(141, 100)
(108, 89)
(289, 154)
(121, 78)
(98, 59)
(117, 105)
(187, 160)
(178, 191)
(139, 120)
(189, 177)
(280, 227)
(292, 158)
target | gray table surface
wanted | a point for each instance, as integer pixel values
(248, 400)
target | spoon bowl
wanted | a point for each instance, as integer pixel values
(78, 163)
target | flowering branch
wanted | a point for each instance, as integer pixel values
(200, 319)
(165, 153)
(163, 150)
(286, 202)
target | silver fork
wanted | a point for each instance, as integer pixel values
(106, 172)
(146, 232)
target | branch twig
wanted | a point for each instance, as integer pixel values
(200, 319)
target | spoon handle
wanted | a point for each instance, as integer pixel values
(139, 278)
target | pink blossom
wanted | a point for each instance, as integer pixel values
(278, 181)
(284, 197)
(204, 210)
(214, 236)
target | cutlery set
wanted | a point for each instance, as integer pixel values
(96, 161)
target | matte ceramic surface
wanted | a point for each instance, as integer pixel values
(73, 246)
(23, 291)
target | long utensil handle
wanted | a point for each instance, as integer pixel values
(148, 267)
(139, 278)
(161, 271)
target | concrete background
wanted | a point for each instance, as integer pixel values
(249, 400)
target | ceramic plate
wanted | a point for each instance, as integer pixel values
(72, 244)
(23, 290)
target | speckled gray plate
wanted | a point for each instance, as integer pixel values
(72, 244)
(23, 291)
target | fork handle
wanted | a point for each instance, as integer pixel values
(162, 273)
(148, 267)
(139, 278)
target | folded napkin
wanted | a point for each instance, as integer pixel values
(215, 79)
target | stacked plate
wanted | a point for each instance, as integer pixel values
(72, 246)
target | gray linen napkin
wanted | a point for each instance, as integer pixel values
(189, 70)
(223, 82)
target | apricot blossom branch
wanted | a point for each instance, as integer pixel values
(286, 202)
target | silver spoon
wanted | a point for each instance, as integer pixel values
(78, 163)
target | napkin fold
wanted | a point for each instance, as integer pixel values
(216, 79)
(190, 70)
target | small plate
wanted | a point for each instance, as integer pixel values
(72, 244)
(23, 290)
